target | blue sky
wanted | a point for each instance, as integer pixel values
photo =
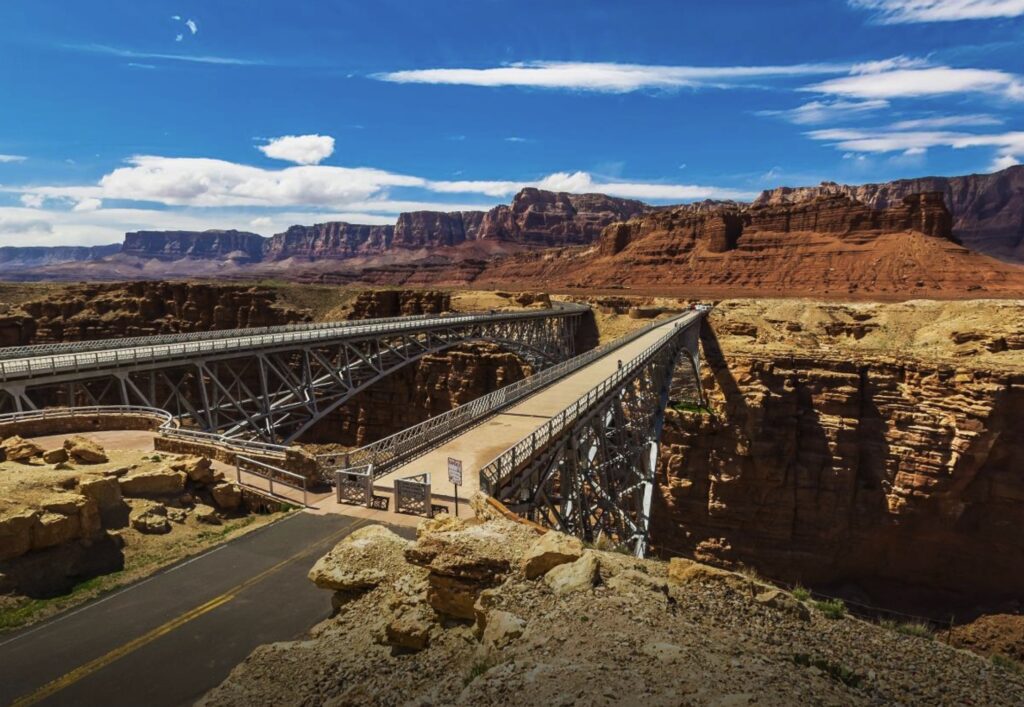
(120, 115)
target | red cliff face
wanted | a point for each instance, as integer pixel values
(987, 209)
(334, 240)
(174, 245)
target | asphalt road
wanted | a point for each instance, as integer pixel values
(168, 639)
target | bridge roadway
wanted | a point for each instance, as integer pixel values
(479, 445)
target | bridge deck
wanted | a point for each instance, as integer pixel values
(479, 445)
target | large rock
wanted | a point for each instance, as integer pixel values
(409, 629)
(575, 576)
(55, 456)
(158, 482)
(502, 628)
(682, 572)
(198, 469)
(52, 529)
(16, 532)
(84, 510)
(18, 449)
(227, 496)
(361, 561)
(206, 514)
(150, 519)
(550, 550)
(104, 490)
(85, 450)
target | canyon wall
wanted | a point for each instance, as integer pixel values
(847, 463)
(376, 304)
(174, 245)
(827, 245)
(987, 209)
(38, 256)
(83, 312)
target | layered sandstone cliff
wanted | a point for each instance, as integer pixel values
(987, 209)
(869, 444)
(826, 245)
(38, 256)
(174, 245)
(83, 312)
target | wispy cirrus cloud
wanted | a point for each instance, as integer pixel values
(4, 159)
(922, 82)
(883, 140)
(915, 11)
(826, 111)
(606, 77)
(189, 58)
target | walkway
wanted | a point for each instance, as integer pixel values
(479, 445)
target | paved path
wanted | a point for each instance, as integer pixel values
(479, 445)
(170, 638)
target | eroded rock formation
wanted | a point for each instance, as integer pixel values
(374, 304)
(987, 209)
(241, 246)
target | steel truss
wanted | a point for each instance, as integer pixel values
(592, 472)
(275, 393)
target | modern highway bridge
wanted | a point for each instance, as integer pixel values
(572, 446)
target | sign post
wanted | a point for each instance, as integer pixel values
(455, 476)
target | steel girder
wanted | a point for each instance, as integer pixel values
(277, 393)
(595, 478)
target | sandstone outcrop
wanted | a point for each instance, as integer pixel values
(84, 450)
(150, 519)
(987, 209)
(26, 257)
(360, 562)
(157, 482)
(632, 637)
(844, 462)
(377, 304)
(17, 449)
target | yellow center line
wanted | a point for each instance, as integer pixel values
(73, 676)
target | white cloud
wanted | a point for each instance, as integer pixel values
(12, 158)
(13, 225)
(192, 26)
(949, 121)
(922, 82)
(907, 11)
(301, 149)
(1004, 162)
(176, 18)
(261, 221)
(33, 201)
(131, 54)
(1009, 146)
(516, 138)
(605, 76)
(178, 37)
(89, 204)
(815, 112)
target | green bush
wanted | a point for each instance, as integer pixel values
(836, 671)
(832, 608)
(801, 593)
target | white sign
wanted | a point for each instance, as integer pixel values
(455, 471)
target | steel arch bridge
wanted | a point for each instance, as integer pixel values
(271, 385)
(590, 471)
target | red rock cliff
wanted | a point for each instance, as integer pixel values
(174, 245)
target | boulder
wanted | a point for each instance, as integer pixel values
(575, 576)
(151, 519)
(177, 515)
(55, 456)
(158, 482)
(82, 509)
(409, 630)
(227, 496)
(18, 449)
(104, 490)
(206, 514)
(550, 550)
(85, 450)
(452, 596)
(682, 572)
(441, 523)
(784, 602)
(53, 529)
(502, 628)
(361, 561)
(16, 532)
(475, 553)
(198, 469)
(631, 580)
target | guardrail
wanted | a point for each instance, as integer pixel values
(272, 474)
(61, 412)
(385, 453)
(230, 443)
(27, 367)
(508, 461)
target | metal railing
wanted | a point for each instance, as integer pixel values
(272, 474)
(230, 443)
(385, 453)
(506, 463)
(63, 412)
(27, 367)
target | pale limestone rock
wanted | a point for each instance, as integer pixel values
(19, 449)
(361, 561)
(55, 456)
(16, 532)
(227, 496)
(159, 482)
(150, 519)
(206, 514)
(104, 490)
(575, 576)
(550, 550)
(85, 450)
(502, 628)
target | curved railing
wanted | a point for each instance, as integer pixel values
(27, 367)
(506, 463)
(64, 412)
(385, 453)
